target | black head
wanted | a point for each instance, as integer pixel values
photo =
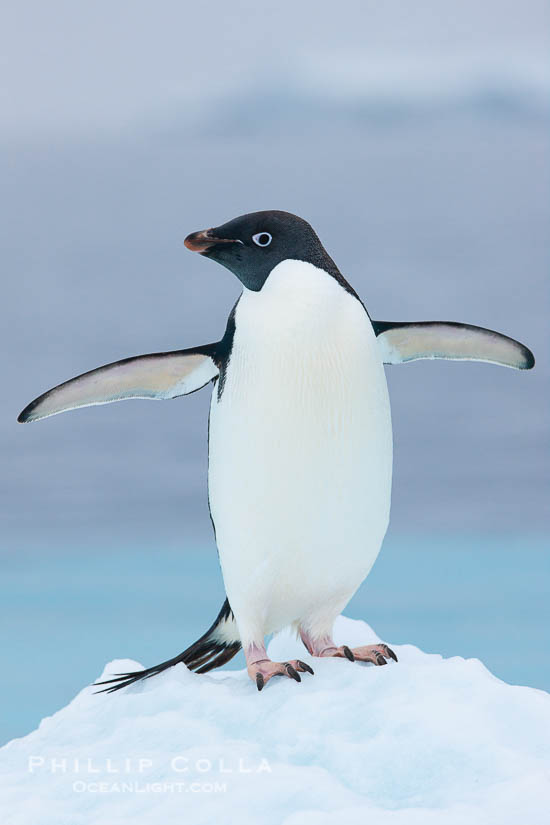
(251, 245)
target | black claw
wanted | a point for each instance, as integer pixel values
(292, 672)
(391, 653)
(259, 681)
(305, 667)
(380, 660)
(348, 653)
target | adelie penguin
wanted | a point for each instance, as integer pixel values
(300, 439)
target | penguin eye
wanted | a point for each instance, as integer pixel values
(262, 239)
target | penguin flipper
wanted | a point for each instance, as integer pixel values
(156, 376)
(402, 341)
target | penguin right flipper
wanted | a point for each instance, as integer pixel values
(403, 341)
(156, 376)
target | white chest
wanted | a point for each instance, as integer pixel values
(300, 440)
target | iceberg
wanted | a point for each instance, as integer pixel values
(427, 740)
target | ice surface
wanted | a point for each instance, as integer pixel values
(429, 740)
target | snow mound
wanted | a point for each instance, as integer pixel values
(429, 740)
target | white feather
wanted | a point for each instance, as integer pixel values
(300, 453)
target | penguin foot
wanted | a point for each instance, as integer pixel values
(377, 654)
(263, 670)
(323, 646)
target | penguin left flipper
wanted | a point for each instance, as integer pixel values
(402, 341)
(156, 376)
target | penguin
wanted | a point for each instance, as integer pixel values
(300, 437)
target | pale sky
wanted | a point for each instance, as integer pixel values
(107, 65)
(430, 216)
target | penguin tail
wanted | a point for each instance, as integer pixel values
(214, 648)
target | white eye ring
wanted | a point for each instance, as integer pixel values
(262, 239)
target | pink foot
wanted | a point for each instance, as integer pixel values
(261, 669)
(377, 654)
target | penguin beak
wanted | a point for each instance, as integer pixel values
(204, 240)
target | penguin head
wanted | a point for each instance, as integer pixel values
(252, 245)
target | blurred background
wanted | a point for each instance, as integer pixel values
(415, 139)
